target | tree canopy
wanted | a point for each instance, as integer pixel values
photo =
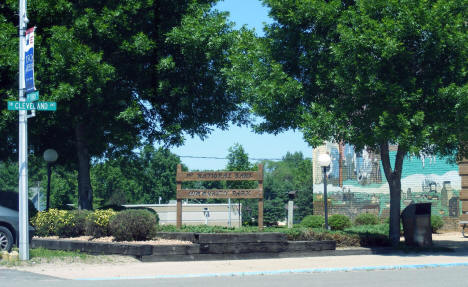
(122, 73)
(368, 73)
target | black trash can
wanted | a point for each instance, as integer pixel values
(417, 229)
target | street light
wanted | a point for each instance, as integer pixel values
(324, 161)
(50, 156)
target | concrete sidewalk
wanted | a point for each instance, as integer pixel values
(246, 267)
(135, 269)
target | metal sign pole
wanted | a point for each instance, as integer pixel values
(229, 210)
(23, 143)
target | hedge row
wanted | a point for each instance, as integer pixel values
(335, 221)
(127, 225)
(341, 222)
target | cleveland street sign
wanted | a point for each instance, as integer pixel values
(29, 106)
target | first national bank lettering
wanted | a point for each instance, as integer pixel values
(224, 175)
(221, 175)
(220, 193)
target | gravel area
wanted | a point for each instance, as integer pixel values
(155, 241)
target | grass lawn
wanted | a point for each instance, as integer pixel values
(41, 255)
(45, 256)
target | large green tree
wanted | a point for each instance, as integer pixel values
(292, 173)
(122, 73)
(8, 176)
(370, 72)
(63, 187)
(238, 160)
(140, 178)
(156, 173)
(8, 74)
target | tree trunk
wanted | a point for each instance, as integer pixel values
(394, 183)
(85, 192)
(340, 162)
(395, 198)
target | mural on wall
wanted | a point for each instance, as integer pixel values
(357, 184)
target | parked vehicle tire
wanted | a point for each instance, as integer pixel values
(6, 239)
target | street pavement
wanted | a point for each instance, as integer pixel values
(423, 277)
(240, 268)
(436, 268)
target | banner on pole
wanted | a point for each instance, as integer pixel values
(29, 61)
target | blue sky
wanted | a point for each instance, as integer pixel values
(252, 14)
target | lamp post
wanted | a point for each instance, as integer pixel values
(324, 161)
(50, 156)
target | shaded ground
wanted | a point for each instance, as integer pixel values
(453, 240)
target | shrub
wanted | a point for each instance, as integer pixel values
(436, 223)
(152, 211)
(114, 207)
(366, 219)
(74, 224)
(61, 223)
(46, 222)
(313, 221)
(97, 223)
(342, 239)
(371, 235)
(374, 229)
(339, 222)
(296, 233)
(129, 225)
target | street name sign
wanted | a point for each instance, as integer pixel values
(32, 97)
(29, 106)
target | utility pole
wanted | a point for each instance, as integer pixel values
(23, 142)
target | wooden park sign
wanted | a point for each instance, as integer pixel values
(257, 193)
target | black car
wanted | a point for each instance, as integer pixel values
(9, 228)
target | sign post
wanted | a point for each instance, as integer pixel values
(220, 193)
(23, 140)
(27, 95)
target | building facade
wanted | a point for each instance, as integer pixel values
(357, 183)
